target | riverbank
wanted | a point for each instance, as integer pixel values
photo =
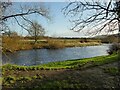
(96, 72)
(16, 44)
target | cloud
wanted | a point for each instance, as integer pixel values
(70, 33)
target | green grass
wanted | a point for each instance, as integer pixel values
(83, 63)
(0, 80)
(23, 83)
(68, 64)
(112, 70)
(12, 78)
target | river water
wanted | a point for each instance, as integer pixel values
(40, 56)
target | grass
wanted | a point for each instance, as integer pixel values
(112, 70)
(0, 81)
(25, 44)
(68, 64)
(15, 76)
(54, 44)
(50, 83)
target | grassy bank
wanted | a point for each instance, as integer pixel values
(68, 64)
(64, 74)
(12, 44)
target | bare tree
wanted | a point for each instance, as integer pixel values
(3, 7)
(36, 30)
(98, 15)
(22, 15)
(10, 33)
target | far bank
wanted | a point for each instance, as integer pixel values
(12, 44)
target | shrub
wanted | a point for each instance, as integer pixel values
(52, 44)
(114, 48)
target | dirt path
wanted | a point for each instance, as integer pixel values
(91, 77)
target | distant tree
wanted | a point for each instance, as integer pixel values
(98, 15)
(36, 30)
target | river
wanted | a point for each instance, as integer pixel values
(40, 56)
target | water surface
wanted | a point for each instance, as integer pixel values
(40, 56)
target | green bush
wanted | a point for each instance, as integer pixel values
(114, 48)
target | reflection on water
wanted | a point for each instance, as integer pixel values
(39, 56)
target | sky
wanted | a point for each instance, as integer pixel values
(50, 0)
(58, 26)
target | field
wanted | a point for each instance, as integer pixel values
(12, 44)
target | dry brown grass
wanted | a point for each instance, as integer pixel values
(54, 44)
(12, 44)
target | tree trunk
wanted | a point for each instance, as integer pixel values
(35, 39)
